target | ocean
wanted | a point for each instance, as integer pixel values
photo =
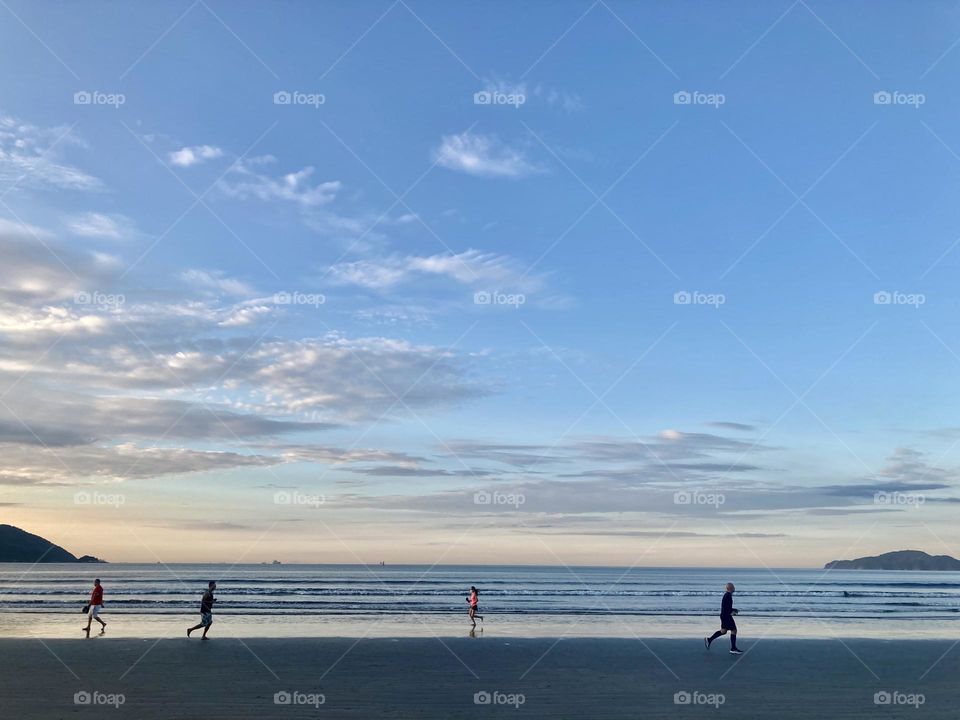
(354, 600)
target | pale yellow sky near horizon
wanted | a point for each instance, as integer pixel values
(106, 535)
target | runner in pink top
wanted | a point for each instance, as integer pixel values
(474, 599)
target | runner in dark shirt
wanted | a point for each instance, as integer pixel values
(727, 623)
(206, 610)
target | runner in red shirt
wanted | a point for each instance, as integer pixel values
(96, 605)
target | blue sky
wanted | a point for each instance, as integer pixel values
(219, 309)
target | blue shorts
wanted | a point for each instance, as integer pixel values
(206, 619)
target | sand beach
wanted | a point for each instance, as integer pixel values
(486, 676)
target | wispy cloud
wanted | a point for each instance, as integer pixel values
(552, 97)
(736, 426)
(567, 101)
(483, 155)
(470, 267)
(216, 281)
(25, 466)
(30, 156)
(101, 225)
(245, 180)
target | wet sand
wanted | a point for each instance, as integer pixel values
(453, 677)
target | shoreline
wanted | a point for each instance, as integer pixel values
(132, 625)
(463, 677)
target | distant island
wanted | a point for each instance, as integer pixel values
(898, 560)
(18, 545)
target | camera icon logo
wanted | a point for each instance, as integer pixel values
(482, 497)
(682, 298)
(282, 97)
(882, 298)
(282, 498)
(882, 698)
(682, 497)
(482, 698)
(482, 298)
(682, 97)
(682, 698)
(82, 698)
(483, 97)
(882, 97)
(282, 698)
(82, 97)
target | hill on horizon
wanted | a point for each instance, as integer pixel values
(18, 545)
(898, 560)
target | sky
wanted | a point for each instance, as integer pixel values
(564, 283)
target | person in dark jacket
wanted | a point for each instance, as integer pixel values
(727, 623)
(206, 611)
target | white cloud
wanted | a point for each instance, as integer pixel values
(338, 456)
(505, 86)
(482, 155)
(216, 281)
(187, 156)
(176, 349)
(29, 157)
(248, 315)
(100, 225)
(22, 464)
(36, 267)
(373, 274)
(550, 96)
(244, 181)
(569, 102)
(19, 322)
(357, 379)
(471, 267)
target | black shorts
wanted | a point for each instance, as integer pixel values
(727, 623)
